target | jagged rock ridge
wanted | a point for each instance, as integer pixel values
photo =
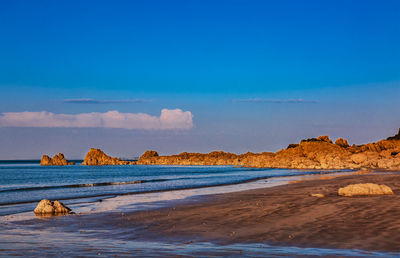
(314, 153)
(57, 160)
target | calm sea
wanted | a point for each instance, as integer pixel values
(24, 183)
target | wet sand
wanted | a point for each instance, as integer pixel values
(283, 215)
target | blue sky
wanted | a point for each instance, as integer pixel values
(236, 66)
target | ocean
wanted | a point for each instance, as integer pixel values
(24, 183)
(113, 190)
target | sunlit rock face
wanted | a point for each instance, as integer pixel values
(342, 143)
(49, 208)
(96, 157)
(314, 153)
(57, 160)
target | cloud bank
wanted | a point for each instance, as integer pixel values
(169, 119)
(97, 101)
(279, 101)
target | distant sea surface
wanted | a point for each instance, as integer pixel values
(24, 183)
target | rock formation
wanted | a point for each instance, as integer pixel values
(364, 189)
(147, 155)
(342, 143)
(96, 157)
(314, 153)
(47, 207)
(57, 160)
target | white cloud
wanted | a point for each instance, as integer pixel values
(169, 119)
(278, 101)
(97, 101)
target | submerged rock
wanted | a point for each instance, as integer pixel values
(47, 207)
(57, 160)
(96, 157)
(364, 189)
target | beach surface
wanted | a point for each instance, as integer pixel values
(283, 219)
(283, 215)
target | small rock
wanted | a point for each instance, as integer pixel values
(318, 195)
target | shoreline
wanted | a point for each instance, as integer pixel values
(278, 216)
(312, 172)
(102, 203)
(283, 215)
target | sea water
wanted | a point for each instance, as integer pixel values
(129, 188)
(23, 185)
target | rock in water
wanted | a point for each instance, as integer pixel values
(364, 189)
(47, 207)
(57, 160)
(96, 157)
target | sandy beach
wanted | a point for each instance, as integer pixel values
(284, 215)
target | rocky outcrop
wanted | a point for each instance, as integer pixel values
(342, 143)
(148, 155)
(47, 207)
(314, 153)
(96, 157)
(57, 160)
(364, 189)
(324, 138)
(186, 158)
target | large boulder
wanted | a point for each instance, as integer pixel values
(324, 138)
(149, 154)
(96, 157)
(148, 157)
(57, 160)
(47, 207)
(342, 143)
(364, 189)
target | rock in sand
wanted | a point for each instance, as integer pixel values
(364, 189)
(47, 207)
